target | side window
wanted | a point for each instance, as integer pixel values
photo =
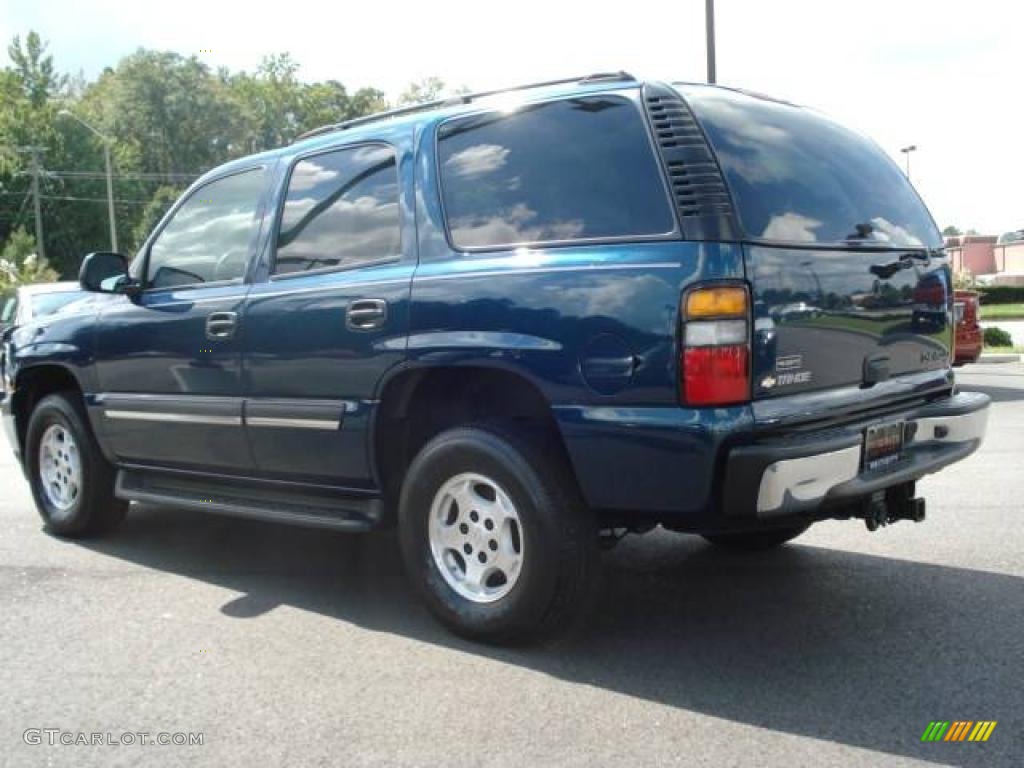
(10, 304)
(341, 210)
(210, 237)
(574, 169)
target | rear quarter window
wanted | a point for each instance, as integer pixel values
(799, 177)
(569, 170)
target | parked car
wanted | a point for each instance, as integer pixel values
(512, 325)
(31, 302)
(968, 341)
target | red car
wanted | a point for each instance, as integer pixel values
(967, 346)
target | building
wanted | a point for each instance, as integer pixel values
(1000, 263)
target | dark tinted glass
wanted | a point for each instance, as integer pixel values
(565, 170)
(341, 209)
(209, 238)
(796, 176)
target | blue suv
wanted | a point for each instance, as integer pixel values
(515, 325)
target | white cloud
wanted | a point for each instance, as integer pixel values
(791, 228)
(478, 159)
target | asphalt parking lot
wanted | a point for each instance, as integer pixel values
(299, 647)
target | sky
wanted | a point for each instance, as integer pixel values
(947, 77)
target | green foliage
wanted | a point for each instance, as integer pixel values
(170, 118)
(997, 337)
(1001, 294)
(422, 91)
(34, 70)
(160, 203)
(19, 263)
(951, 231)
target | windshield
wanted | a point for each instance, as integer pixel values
(798, 177)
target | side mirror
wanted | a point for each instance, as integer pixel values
(105, 272)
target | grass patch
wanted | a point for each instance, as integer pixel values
(1018, 349)
(1002, 311)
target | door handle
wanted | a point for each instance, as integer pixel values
(221, 325)
(366, 314)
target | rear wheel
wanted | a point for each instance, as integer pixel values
(72, 483)
(754, 541)
(494, 537)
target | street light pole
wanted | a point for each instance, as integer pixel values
(110, 198)
(709, 20)
(906, 153)
(107, 141)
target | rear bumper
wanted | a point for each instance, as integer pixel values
(794, 475)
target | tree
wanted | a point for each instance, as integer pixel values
(34, 69)
(170, 117)
(951, 231)
(158, 205)
(422, 91)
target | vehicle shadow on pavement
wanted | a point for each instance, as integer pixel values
(851, 648)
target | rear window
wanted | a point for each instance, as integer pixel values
(576, 169)
(798, 177)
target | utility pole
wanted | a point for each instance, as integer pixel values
(34, 170)
(709, 20)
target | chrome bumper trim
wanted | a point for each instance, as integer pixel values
(805, 479)
(808, 479)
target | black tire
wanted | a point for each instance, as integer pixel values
(755, 541)
(94, 508)
(560, 562)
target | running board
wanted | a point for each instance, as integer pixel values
(295, 506)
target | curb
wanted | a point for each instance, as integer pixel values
(1014, 358)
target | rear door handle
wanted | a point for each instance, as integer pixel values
(221, 325)
(366, 314)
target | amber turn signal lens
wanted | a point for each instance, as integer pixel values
(717, 301)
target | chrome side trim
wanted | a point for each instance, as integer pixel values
(180, 418)
(289, 423)
(806, 479)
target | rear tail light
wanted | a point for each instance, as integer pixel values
(971, 310)
(715, 356)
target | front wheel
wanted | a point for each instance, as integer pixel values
(755, 541)
(72, 483)
(494, 536)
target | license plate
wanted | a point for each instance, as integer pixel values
(883, 444)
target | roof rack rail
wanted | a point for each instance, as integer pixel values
(465, 98)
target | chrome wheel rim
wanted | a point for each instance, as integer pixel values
(60, 468)
(476, 538)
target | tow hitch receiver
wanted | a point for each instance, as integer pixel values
(888, 506)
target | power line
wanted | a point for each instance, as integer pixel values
(92, 199)
(138, 176)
